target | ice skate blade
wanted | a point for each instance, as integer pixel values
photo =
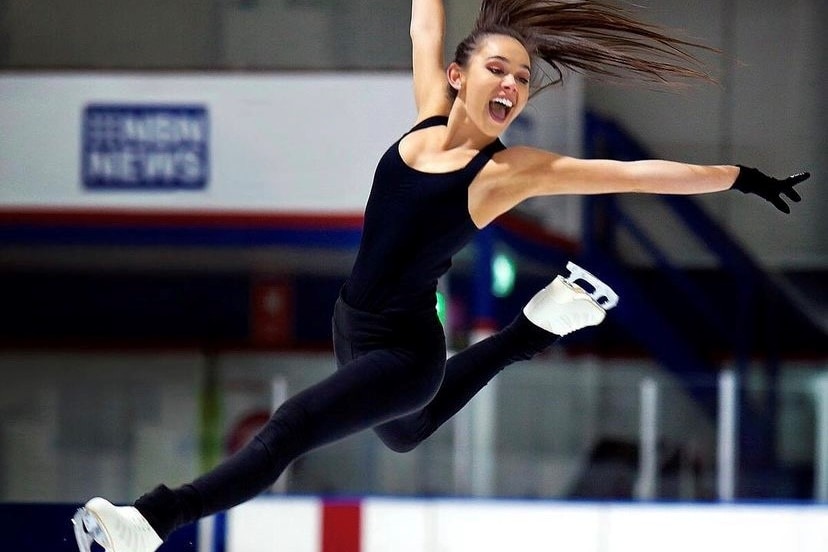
(83, 538)
(602, 294)
(87, 531)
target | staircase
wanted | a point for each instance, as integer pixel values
(742, 315)
(695, 323)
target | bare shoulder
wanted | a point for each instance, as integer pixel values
(495, 190)
(529, 170)
(423, 150)
(515, 167)
(526, 158)
(437, 106)
(509, 178)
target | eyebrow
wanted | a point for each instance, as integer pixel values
(507, 60)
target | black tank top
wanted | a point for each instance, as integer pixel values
(414, 223)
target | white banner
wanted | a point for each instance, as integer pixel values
(276, 143)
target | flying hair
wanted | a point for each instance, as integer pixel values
(594, 38)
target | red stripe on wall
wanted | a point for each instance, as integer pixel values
(341, 524)
(535, 233)
(123, 216)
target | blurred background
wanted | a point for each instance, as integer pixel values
(181, 186)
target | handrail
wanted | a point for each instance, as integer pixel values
(606, 138)
(696, 298)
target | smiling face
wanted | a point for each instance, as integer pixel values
(494, 83)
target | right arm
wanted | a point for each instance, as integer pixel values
(428, 26)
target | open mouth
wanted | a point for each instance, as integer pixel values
(499, 109)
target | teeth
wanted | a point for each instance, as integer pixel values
(505, 101)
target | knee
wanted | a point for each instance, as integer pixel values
(401, 445)
(397, 440)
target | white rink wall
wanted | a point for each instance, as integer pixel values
(454, 525)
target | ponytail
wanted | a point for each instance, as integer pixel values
(590, 37)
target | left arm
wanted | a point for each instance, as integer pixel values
(519, 173)
(544, 173)
(533, 172)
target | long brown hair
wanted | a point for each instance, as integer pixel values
(590, 37)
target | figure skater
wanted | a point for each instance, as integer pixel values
(433, 189)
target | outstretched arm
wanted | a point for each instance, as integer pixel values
(428, 27)
(542, 173)
(548, 173)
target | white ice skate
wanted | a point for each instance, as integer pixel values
(115, 528)
(564, 306)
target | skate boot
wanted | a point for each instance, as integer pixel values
(115, 528)
(564, 306)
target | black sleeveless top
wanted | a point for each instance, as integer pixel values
(414, 223)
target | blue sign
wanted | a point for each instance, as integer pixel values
(145, 147)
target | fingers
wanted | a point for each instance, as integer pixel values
(787, 188)
(769, 188)
(797, 178)
(780, 204)
(792, 194)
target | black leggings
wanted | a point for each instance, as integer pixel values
(392, 375)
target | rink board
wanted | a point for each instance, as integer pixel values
(311, 524)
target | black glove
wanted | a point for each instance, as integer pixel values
(753, 181)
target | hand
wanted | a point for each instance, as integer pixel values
(753, 181)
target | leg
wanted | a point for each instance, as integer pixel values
(467, 372)
(372, 388)
(557, 310)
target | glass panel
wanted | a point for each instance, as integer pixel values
(73, 425)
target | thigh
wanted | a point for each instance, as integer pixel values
(371, 389)
(388, 371)
(343, 350)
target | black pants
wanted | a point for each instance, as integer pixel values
(392, 375)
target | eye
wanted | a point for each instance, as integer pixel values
(523, 80)
(495, 70)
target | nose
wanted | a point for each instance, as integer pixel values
(509, 81)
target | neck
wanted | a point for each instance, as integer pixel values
(463, 132)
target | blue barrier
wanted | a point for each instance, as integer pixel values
(45, 527)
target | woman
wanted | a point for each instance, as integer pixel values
(433, 189)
